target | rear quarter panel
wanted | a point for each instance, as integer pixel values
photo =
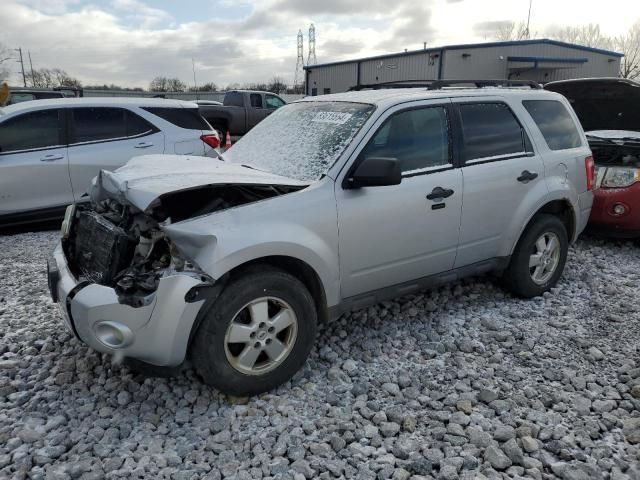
(565, 172)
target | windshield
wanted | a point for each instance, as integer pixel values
(301, 140)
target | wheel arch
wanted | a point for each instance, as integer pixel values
(562, 208)
(296, 267)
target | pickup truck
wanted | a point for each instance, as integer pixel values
(241, 110)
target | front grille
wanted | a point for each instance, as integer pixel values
(101, 249)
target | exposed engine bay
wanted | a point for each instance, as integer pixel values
(115, 244)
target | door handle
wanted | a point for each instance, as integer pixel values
(143, 145)
(439, 192)
(527, 176)
(52, 157)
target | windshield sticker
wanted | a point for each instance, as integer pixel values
(337, 118)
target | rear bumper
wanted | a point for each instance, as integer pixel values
(156, 332)
(604, 220)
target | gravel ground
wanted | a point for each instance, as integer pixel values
(460, 382)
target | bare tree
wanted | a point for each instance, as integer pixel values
(277, 85)
(206, 87)
(629, 45)
(5, 58)
(176, 85)
(511, 31)
(158, 84)
(49, 78)
(588, 35)
(164, 84)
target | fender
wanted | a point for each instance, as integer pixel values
(564, 195)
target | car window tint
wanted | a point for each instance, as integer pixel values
(188, 118)
(489, 130)
(555, 123)
(136, 125)
(31, 130)
(417, 138)
(256, 100)
(273, 101)
(92, 124)
(233, 99)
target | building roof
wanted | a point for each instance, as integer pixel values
(540, 41)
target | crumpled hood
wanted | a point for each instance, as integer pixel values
(144, 179)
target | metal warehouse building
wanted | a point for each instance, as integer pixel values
(541, 60)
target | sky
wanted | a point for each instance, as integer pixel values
(129, 42)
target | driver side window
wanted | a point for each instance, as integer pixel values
(418, 138)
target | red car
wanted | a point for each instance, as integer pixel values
(609, 110)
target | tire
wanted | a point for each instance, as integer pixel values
(529, 282)
(240, 309)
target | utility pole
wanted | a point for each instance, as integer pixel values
(195, 85)
(24, 77)
(299, 76)
(33, 78)
(529, 18)
(311, 59)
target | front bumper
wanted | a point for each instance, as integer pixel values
(604, 220)
(156, 333)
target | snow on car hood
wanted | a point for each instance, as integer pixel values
(143, 179)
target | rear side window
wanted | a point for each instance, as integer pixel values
(233, 99)
(555, 123)
(136, 125)
(188, 118)
(490, 130)
(417, 138)
(93, 124)
(256, 100)
(31, 130)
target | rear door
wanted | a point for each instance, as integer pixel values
(256, 111)
(34, 174)
(106, 138)
(502, 177)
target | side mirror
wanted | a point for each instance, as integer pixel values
(375, 172)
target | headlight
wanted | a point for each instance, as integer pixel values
(618, 177)
(69, 214)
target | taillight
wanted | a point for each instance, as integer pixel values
(590, 168)
(212, 140)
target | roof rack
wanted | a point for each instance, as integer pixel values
(438, 84)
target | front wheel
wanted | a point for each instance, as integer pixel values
(258, 333)
(538, 260)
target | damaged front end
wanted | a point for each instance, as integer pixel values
(123, 285)
(118, 246)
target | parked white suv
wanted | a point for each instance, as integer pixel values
(51, 149)
(331, 203)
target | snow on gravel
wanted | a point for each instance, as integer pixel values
(460, 382)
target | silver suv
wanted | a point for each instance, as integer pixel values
(330, 204)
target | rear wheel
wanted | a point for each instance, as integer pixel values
(538, 260)
(258, 333)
